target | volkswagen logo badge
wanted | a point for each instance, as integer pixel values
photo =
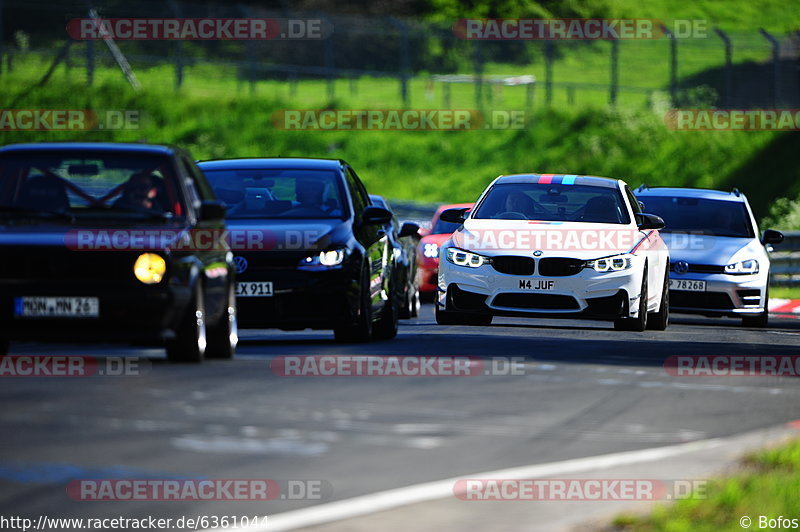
(681, 266)
(240, 263)
(537, 253)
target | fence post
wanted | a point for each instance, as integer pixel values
(776, 66)
(176, 9)
(612, 97)
(89, 58)
(728, 100)
(478, 62)
(2, 49)
(548, 72)
(330, 66)
(673, 66)
(405, 58)
(89, 62)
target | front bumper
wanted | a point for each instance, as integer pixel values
(725, 295)
(300, 300)
(127, 312)
(587, 294)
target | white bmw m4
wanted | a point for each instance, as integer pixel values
(555, 246)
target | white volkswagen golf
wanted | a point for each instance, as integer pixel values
(565, 246)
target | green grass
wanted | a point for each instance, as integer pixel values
(784, 292)
(428, 166)
(767, 486)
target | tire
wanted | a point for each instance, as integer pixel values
(386, 326)
(759, 321)
(406, 311)
(416, 303)
(224, 335)
(660, 320)
(445, 317)
(639, 323)
(361, 331)
(189, 344)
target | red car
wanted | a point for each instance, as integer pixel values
(428, 252)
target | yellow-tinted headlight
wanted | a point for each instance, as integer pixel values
(150, 268)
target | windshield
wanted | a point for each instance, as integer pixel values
(94, 184)
(698, 215)
(553, 202)
(279, 193)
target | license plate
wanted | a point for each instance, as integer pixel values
(254, 289)
(687, 285)
(528, 284)
(57, 307)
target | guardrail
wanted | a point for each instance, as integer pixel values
(785, 261)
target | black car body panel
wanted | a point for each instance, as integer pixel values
(67, 257)
(302, 297)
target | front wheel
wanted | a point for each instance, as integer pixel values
(361, 330)
(639, 323)
(660, 320)
(224, 335)
(386, 327)
(189, 344)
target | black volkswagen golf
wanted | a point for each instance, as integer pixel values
(311, 251)
(104, 242)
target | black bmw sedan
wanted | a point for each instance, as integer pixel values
(311, 250)
(106, 242)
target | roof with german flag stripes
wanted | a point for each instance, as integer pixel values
(559, 179)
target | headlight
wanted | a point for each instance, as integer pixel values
(459, 257)
(742, 268)
(323, 260)
(430, 251)
(615, 263)
(150, 268)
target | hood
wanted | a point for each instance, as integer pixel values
(85, 237)
(709, 249)
(554, 239)
(286, 235)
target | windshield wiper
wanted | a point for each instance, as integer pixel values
(36, 213)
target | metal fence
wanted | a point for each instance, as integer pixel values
(419, 58)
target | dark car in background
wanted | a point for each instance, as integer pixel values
(315, 251)
(100, 242)
(405, 238)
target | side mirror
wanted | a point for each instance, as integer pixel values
(376, 216)
(456, 216)
(772, 236)
(650, 221)
(409, 229)
(212, 210)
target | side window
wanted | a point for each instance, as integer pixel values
(634, 202)
(360, 198)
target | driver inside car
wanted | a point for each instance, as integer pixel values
(141, 192)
